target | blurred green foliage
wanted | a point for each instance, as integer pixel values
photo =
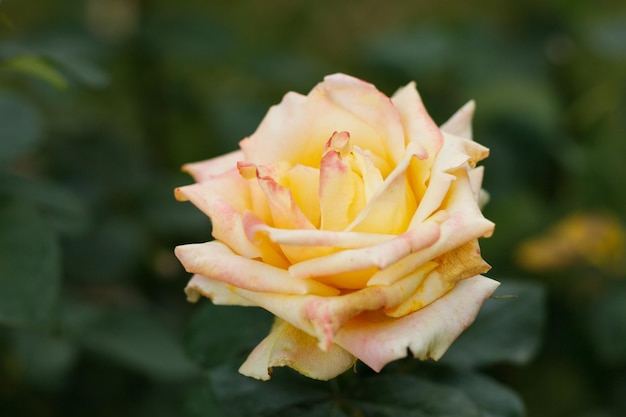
(101, 101)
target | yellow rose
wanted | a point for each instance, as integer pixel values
(352, 218)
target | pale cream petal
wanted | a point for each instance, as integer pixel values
(371, 106)
(476, 181)
(460, 123)
(432, 198)
(341, 193)
(218, 292)
(303, 181)
(283, 207)
(392, 205)
(432, 287)
(322, 316)
(281, 136)
(463, 223)
(379, 256)
(451, 267)
(456, 152)
(216, 261)
(364, 166)
(377, 339)
(289, 346)
(319, 238)
(223, 198)
(420, 129)
(212, 167)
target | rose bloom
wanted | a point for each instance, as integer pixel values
(353, 219)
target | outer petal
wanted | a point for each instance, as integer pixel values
(213, 167)
(218, 292)
(340, 103)
(288, 346)
(460, 123)
(314, 237)
(379, 256)
(215, 260)
(223, 198)
(370, 105)
(377, 339)
(456, 152)
(322, 317)
(419, 129)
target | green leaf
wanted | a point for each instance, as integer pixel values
(220, 334)
(64, 211)
(506, 329)
(44, 357)
(493, 398)
(37, 67)
(410, 396)
(606, 326)
(29, 265)
(20, 127)
(133, 338)
(287, 391)
(199, 401)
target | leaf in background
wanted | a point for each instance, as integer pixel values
(29, 265)
(20, 127)
(64, 211)
(494, 399)
(506, 330)
(199, 401)
(410, 396)
(44, 358)
(219, 334)
(606, 326)
(244, 396)
(133, 338)
(36, 67)
(4, 20)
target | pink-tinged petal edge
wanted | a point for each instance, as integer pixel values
(209, 168)
(376, 339)
(217, 261)
(289, 346)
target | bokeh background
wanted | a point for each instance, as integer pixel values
(102, 101)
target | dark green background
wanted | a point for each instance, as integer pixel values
(102, 101)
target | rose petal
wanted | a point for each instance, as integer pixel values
(460, 123)
(212, 167)
(218, 292)
(476, 180)
(283, 207)
(341, 193)
(320, 238)
(393, 203)
(216, 261)
(223, 198)
(379, 256)
(451, 267)
(289, 346)
(433, 287)
(322, 316)
(371, 106)
(303, 181)
(419, 129)
(377, 339)
(456, 152)
(340, 103)
(365, 167)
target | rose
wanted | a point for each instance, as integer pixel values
(353, 219)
